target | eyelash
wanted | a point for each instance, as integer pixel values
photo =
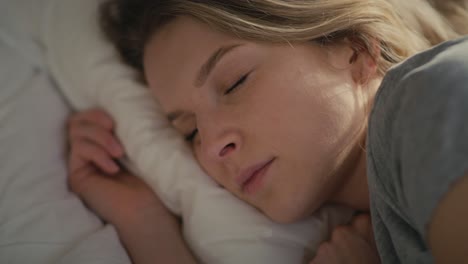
(239, 82)
(191, 136)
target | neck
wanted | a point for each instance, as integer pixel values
(353, 190)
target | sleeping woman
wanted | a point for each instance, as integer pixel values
(291, 105)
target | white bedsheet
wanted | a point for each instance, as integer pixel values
(40, 220)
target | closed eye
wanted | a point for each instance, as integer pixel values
(237, 84)
(191, 136)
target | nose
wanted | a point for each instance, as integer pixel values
(219, 142)
(222, 146)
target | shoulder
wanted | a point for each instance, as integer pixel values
(427, 73)
(435, 79)
(442, 75)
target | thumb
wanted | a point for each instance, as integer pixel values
(363, 227)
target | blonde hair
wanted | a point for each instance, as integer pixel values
(401, 27)
(436, 21)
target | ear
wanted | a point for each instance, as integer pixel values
(340, 55)
(363, 61)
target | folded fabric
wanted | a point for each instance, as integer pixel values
(218, 227)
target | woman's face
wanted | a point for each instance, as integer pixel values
(273, 124)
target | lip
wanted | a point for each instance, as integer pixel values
(250, 179)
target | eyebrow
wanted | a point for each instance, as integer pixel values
(211, 63)
(204, 72)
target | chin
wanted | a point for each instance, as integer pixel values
(287, 211)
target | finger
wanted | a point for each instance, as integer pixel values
(85, 151)
(99, 136)
(75, 162)
(349, 247)
(342, 239)
(94, 116)
(362, 226)
(325, 255)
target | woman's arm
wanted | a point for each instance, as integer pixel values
(150, 233)
(448, 230)
(155, 238)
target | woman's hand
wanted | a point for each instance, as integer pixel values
(350, 244)
(149, 232)
(94, 175)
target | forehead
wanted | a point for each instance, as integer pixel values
(175, 53)
(183, 43)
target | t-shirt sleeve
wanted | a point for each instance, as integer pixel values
(432, 129)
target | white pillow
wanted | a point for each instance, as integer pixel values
(218, 227)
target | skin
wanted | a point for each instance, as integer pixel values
(447, 231)
(301, 105)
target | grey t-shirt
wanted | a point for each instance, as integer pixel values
(417, 148)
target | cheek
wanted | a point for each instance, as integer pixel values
(204, 164)
(212, 169)
(303, 127)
